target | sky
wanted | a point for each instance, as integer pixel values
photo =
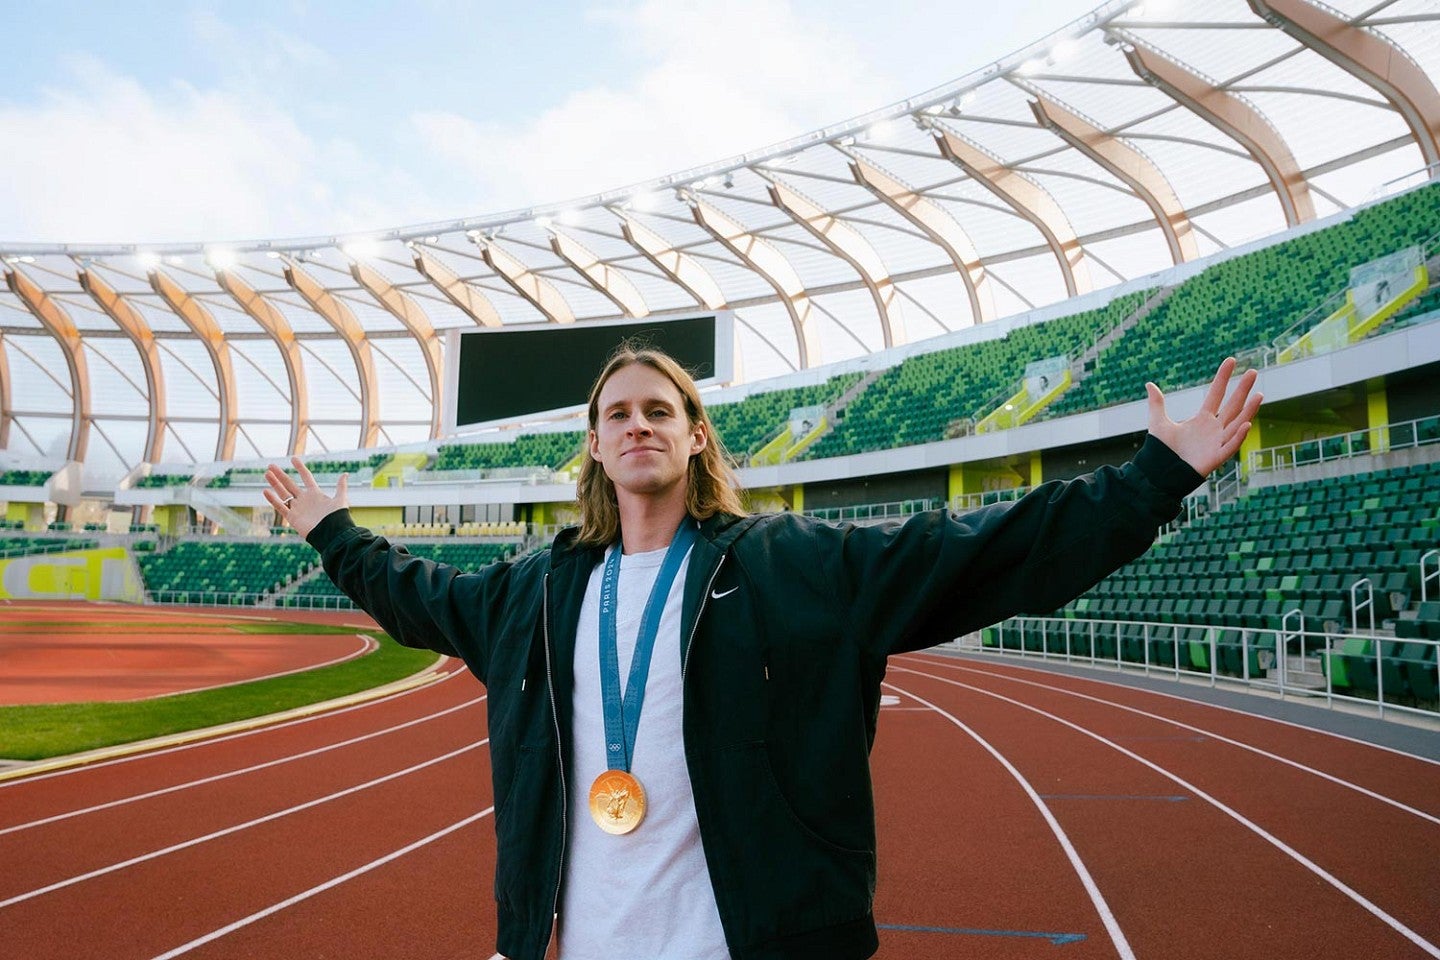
(179, 121)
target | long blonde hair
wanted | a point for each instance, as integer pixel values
(711, 486)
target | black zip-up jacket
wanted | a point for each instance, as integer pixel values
(787, 623)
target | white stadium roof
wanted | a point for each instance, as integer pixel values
(1140, 137)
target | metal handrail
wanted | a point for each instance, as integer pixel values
(1425, 578)
(1356, 604)
(1077, 640)
(888, 510)
(1356, 443)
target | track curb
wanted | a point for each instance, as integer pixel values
(429, 675)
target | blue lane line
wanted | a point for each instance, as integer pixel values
(1056, 938)
(1110, 796)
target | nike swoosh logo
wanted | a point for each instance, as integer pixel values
(715, 595)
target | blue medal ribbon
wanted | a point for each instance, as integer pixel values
(622, 719)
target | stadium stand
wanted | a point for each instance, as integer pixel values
(747, 425)
(1310, 561)
(160, 480)
(1248, 301)
(23, 546)
(225, 572)
(548, 450)
(318, 591)
(922, 399)
(25, 478)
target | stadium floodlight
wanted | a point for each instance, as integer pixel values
(543, 222)
(273, 254)
(1063, 50)
(220, 258)
(645, 202)
(12, 259)
(883, 130)
(176, 260)
(360, 249)
(1030, 67)
(571, 217)
(432, 239)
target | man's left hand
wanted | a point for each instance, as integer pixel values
(1213, 435)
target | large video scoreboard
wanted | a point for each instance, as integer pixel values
(500, 375)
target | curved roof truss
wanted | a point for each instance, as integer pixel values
(1132, 139)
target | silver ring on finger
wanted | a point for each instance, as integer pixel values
(287, 501)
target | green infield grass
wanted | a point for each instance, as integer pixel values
(40, 731)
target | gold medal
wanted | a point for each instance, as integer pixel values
(617, 802)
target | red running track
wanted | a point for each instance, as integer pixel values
(72, 653)
(1021, 813)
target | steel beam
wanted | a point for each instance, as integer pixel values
(759, 255)
(59, 325)
(1027, 199)
(1370, 58)
(273, 322)
(471, 301)
(403, 307)
(1237, 119)
(936, 223)
(343, 322)
(1129, 166)
(849, 245)
(194, 315)
(610, 282)
(129, 320)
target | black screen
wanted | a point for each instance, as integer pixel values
(508, 374)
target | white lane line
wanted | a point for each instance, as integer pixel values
(1235, 815)
(367, 644)
(156, 854)
(235, 773)
(327, 885)
(129, 758)
(1215, 736)
(1199, 703)
(1107, 917)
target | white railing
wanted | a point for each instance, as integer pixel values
(1429, 576)
(248, 478)
(80, 543)
(528, 475)
(1382, 438)
(965, 502)
(1300, 663)
(872, 512)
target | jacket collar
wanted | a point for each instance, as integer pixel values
(570, 567)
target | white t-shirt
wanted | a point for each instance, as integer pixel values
(648, 893)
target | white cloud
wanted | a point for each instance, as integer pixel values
(720, 82)
(107, 160)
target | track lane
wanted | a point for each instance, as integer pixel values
(48, 854)
(1401, 776)
(964, 847)
(1181, 876)
(207, 886)
(30, 798)
(374, 911)
(1386, 855)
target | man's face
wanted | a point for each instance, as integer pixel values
(643, 438)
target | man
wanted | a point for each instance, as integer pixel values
(718, 804)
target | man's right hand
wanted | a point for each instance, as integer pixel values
(303, 505)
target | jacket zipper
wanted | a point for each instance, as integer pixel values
(560, 758)
(694, 627)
